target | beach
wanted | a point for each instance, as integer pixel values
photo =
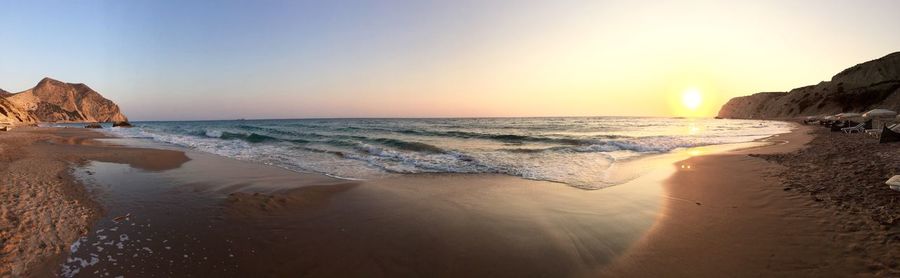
(753, 217)
(139, 209)
(449, 139)
(44, 209)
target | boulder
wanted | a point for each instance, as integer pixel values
(122, 124)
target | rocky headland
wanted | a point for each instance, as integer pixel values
(870, 85)
(55, 101)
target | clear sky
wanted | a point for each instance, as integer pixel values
(166, 60)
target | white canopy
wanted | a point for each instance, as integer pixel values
(848, 115)
(880, 113)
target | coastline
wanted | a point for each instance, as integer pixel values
(45, 208)
(424, 223)
(433, 224)
(746, 224)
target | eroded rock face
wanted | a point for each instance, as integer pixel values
(866, 86)
(11, 114)
(56, 101)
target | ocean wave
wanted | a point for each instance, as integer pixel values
(577, 152)
(657, 145)
(252, 137)
(502, 137)
(511, 138)
(247, 137)
(347, 141)
(644, 145)
(408, 145)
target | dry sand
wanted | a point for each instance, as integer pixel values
(846, 171)
(742, 223)
(42, 209)
(725, 215)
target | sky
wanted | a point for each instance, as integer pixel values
(191, 60)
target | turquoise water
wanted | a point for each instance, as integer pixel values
(577, 151)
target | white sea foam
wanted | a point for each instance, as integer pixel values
(576, 151)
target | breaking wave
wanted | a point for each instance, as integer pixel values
(576, 151)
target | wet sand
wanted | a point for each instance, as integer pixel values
(716, 212)
(746, 224)
(43, 209)
(215, 217)
(419, 225)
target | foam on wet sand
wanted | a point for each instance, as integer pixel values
(207, 215)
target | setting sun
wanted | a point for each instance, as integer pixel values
(691, 99)
(449, 138)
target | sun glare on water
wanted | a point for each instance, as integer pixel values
(691, 99)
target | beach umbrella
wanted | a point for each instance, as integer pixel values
(880, 113)
(848, 115)
(856, 117)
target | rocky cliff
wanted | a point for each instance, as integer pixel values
(10, 114)
(866, 86)
(54, 101)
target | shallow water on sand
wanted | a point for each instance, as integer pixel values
(167, 223)
(204, 219)
(580, 151)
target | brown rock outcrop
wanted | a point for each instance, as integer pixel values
(870, 85)
(122, 124)
(55, 101)
(10, 114)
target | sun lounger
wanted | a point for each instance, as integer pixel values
(877, 132)
(838, 125)
(857, 128)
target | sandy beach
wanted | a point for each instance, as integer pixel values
(44, 209)
(141, 210)
(748, 222)
(250, 219)
(449, 139)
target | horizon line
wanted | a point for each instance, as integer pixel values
(421, 118)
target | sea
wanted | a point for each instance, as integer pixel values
(577, 151)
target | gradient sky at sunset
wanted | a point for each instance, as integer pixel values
(167, 60)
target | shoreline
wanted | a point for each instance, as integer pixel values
(759, 228)
(226, 193)
(632, 229)
(45, 208)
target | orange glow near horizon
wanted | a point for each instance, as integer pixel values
(439, 58)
